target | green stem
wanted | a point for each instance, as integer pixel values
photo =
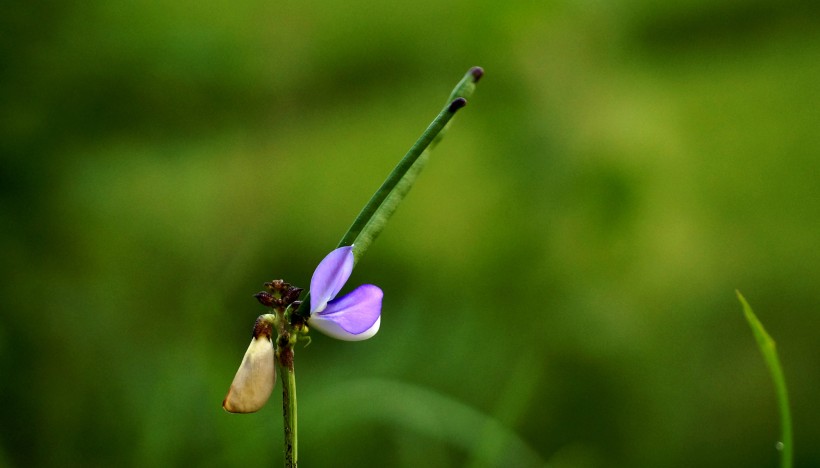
(371, 220)
(289, 413)
(285, 342)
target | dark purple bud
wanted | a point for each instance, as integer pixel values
(265, 298)
(291, 295)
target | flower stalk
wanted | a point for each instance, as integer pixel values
(352, 317)
(284, 361)
(282, 297)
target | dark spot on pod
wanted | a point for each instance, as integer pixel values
(457, 104)
(477, 73)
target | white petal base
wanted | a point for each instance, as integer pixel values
(332, 329)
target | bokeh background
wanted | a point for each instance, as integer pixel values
(559, 284)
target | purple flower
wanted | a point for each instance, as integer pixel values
(353, 317)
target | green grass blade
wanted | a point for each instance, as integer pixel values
(419, 410)
(767, 347)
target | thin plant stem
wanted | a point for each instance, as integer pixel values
(289, 415)
(284, 361)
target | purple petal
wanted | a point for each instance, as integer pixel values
(354, 316)
(329, 277)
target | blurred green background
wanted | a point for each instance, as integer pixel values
(559, 285)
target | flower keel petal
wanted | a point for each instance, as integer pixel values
(353, 317)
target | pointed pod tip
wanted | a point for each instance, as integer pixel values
(477, 73)
(236, 407)
(226, 403)
(457, 104)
